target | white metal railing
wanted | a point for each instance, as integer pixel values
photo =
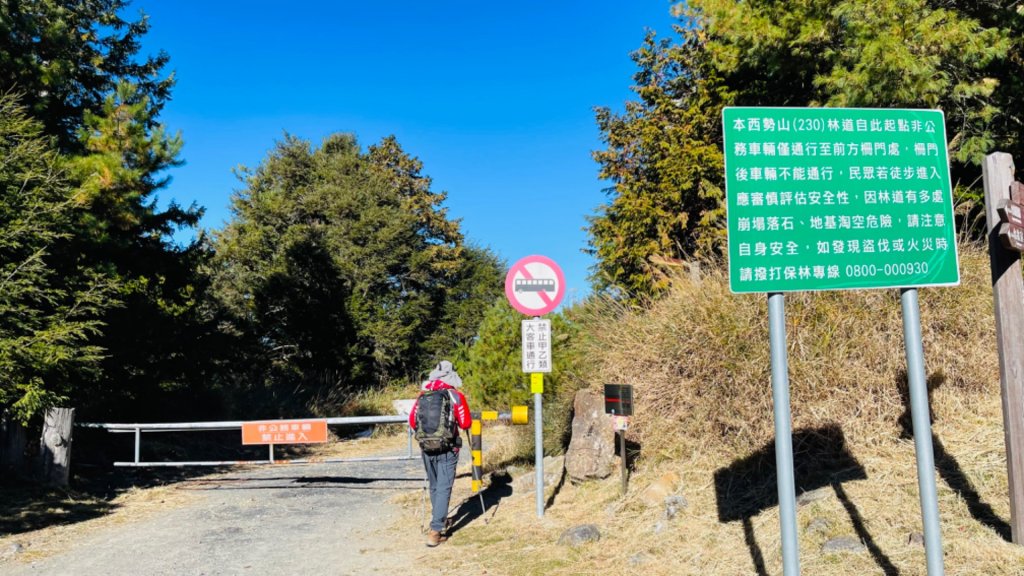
(138, 428)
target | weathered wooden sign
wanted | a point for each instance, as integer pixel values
(1011, 213)
(1012, 236)
(1017, 192)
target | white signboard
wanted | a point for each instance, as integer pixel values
(537, 346)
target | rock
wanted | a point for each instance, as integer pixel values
(915, 538)
(659, 527)
(579, 535)
(554, 467)
(12, 550)
(673, 504)
(591, 453)
(660, 489)
(514, 471)
(843, 544)
(806, 498)
(817, 526)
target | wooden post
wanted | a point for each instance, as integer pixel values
(12, 446)
(56, 446)
(1008, 291)
(625, 466)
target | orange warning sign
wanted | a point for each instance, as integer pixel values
(284, 432)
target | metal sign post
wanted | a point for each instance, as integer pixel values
(921, 419)
(535, 285)
(537, 388)
(537, 361)
(783, 434)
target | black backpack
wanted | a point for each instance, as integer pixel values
(435, 421)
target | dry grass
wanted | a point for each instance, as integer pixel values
(700, 366)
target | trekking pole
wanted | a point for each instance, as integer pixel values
(423, 504)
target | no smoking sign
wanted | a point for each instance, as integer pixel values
(535, 285)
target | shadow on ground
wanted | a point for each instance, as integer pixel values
(472, 508)
(95, 483)
(27, 506)
(821, 459)
(946, 464)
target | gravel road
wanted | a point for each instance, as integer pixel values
(324, 519)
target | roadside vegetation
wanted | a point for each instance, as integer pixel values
(341, 279)
(698, 358)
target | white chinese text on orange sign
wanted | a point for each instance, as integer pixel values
(284, 432)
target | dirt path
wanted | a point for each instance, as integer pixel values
(337, 519)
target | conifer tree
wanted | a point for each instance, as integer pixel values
(47, 317)
(341, 270)
(663, 155)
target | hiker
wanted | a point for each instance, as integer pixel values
(443, 404)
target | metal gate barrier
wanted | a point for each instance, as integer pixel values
(518, 415)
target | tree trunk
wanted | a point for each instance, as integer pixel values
(56, 446)
(12, 447)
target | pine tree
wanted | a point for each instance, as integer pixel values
(46, 318)
(341, 269)
(65, 57)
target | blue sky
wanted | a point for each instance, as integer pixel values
(496, 99)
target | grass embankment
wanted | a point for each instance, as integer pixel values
(699, 361)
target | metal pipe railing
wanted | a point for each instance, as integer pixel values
(517, 415)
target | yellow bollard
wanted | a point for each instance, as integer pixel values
(476, 445)
(520, 415)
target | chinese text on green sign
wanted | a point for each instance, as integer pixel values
(835, 198)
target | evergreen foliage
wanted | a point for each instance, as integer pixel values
(75, 68)
(491, 366)
(663, 153)
(65, 58)
(47, 318)
(342, 271)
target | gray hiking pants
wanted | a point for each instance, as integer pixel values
(441, 476)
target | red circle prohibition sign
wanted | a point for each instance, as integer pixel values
(535, 285)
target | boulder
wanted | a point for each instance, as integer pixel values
(591, 453)
(818, 526)
(843, 544)
(554, 467)
(579, 535)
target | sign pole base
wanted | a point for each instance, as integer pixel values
(538, 430)
(921, 417)
(783, 434)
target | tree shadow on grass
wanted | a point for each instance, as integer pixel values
(749, 486)
(947, 465)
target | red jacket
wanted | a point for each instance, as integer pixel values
(459, 405)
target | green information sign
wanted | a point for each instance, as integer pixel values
(838, 199)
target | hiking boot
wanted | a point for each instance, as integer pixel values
(434, 538)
